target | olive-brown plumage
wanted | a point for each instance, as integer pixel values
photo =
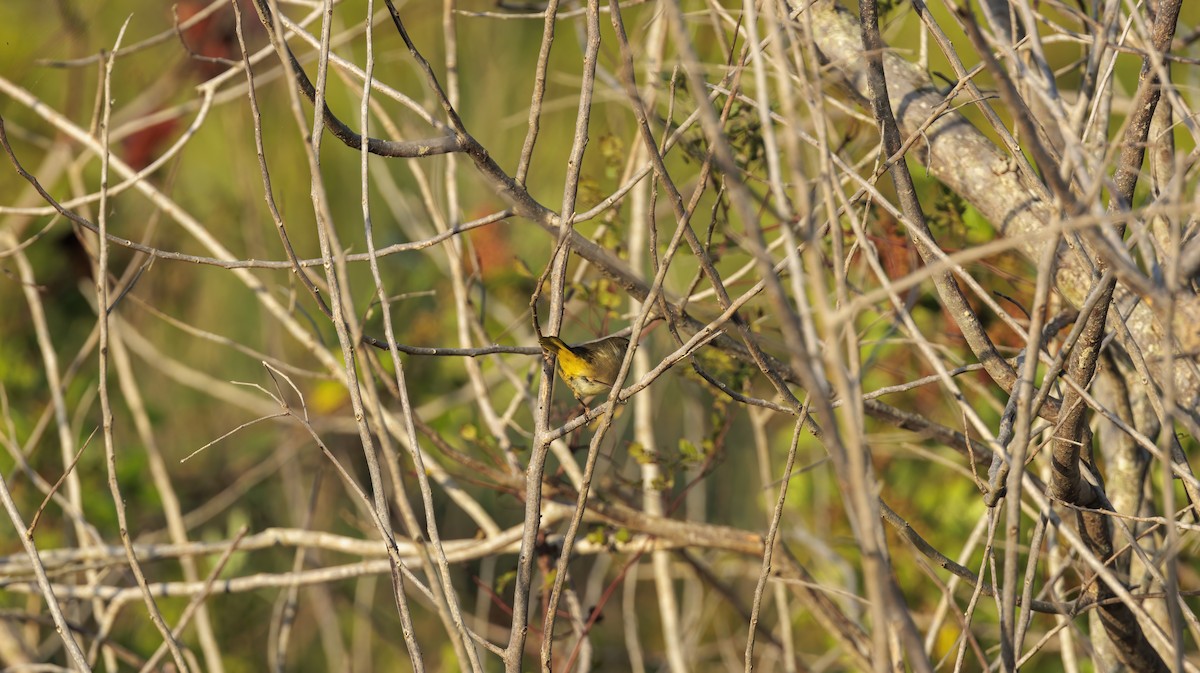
(587, 369)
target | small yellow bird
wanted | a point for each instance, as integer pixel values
(587, 369)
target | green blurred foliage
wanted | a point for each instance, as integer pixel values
(216, 180)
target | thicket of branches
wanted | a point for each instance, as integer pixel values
(912, 292)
